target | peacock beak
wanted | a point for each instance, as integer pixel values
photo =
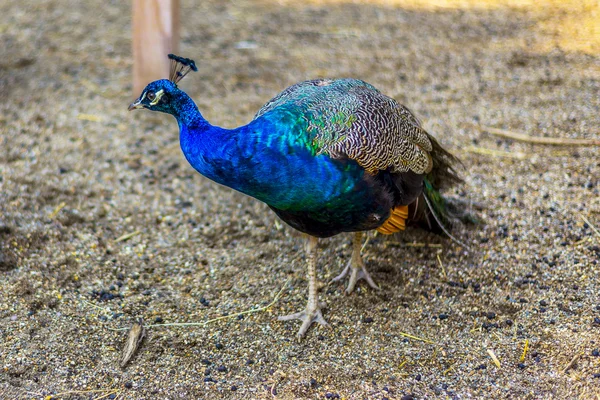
(135, 105)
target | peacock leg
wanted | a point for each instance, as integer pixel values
(356, 267)
(312, 313)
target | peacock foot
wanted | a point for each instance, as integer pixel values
(308, 316)
(356, 272)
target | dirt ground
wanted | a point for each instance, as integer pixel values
(102, 222)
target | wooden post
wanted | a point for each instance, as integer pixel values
(155, 34)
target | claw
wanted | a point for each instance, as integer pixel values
(356, 267)
(308, 317)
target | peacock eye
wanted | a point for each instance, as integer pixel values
(150, 96)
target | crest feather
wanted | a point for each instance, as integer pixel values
(180, 67)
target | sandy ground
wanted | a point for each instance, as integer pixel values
(77, 172)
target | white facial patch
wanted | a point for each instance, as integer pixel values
(157, 97)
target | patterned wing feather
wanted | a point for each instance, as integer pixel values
(350, 118)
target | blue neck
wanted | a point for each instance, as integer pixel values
(265, 159)
(187, 114)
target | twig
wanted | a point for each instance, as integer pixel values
(521, 137)
(365, 244)
(57, 209)
(442, 265)
(434, 245)
(107, 394)
(233, 315)
(127, 236)
(587, 221)
(525, 348)
(496, 153)
(402, 364)
(106, 310)
(416, 338)
(62, 394)
(450, 368)
(572, 362)
(89, 117)
(494, 358)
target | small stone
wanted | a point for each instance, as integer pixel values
(490, 315)
(596, 353)
(367, 320)
(543, 303)
(221, 368)
(219, 346)
(128, 385)
(158, 320)
(508, 322)
(408, 397)
(233, 388)
(521, 366)
(443, 316)
(205, 362)
(313, 383)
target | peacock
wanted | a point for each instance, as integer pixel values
(327, 156)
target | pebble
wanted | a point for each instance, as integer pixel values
(487, 325)
(443, 316)
(596, 353)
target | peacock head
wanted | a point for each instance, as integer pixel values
(163, 95)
